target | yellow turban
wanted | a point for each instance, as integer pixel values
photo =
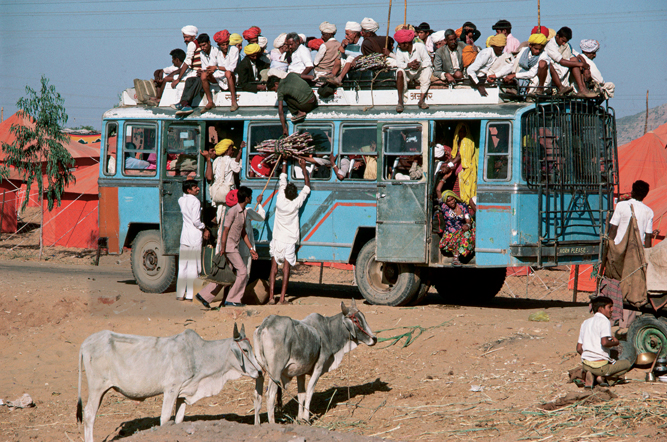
(498, 40)
(252, 49)
(222, 146)
(537, 39)
(235, 39)
(488, 45)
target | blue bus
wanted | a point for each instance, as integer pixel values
(547, 174)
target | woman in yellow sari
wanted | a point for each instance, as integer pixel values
(466, 153)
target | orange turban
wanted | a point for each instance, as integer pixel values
(221, 36)
(251, 33)
(468, 55)
(315, 44)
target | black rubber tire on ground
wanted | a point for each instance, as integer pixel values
(645, 334)
(153, 271)
(478, 285)
(424, 287)
(393, 284)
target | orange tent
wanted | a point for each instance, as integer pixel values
(644, 159)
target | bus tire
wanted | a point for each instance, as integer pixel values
(392, 284)
(153, 271)
(479, 284)
(646, 334)
(424, 287)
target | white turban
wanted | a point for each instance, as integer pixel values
(353, 26)
(303, 38)
(370, 25)
(439, 150)
(279, 41)
(589, 45)
(438, 36)
(327, 28)
(262, 41)
(190, 30)
(274, 72)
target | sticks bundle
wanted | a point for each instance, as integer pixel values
(371, 62)
(295, 145)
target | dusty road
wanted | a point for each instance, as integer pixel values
(470, 372)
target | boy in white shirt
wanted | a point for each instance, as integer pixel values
(189, 257)
(595, 340)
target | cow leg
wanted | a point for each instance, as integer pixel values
(271, 392)
(180, 410)
(95, 396)
(170, 397)
(301, 395)
(317, 372)
(259, 386)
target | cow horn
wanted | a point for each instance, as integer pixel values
(353, 304)
(242, 330)
(343, 308)
(236, 332)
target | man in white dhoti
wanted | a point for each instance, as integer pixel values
(189, 258)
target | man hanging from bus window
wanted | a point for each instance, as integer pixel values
(234, 232)
(448, 59)
(479, 69)
(300, 61)
(226, 62)
(623, 213)
(286, 229)
(413, 65)
(251, 70)
(189, 255)
(592, 75)
(298, 95)
(595, 340)
(565, 63)
(170, 73)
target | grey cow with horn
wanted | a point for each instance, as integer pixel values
(287, 348)
(184, 367)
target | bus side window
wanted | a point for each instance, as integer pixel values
(110, 147)
(358, 151)
(182, 151)
(403, 153)
(323, 141)
(498, 142)
(140, 152)
(258, 133)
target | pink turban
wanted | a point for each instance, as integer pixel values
(315, 44)
(541, 30)
(404, 36)
(253, 32)
(221, 36)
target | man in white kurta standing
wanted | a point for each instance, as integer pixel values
(286, 228)
(189, 257)
(623, 213)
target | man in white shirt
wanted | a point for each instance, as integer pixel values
(413, 64)
(164, 76)
(350, 48)
(623, 213)
(530, 68)
(227, 57)
(286, 229)
(565, 62)
(479, 69)
(189, 257)
(209, 65)
(589, 49)
(595, 340)
(300, 61)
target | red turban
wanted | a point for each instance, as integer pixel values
(541, 30)
(404, 36)
(232, 198)
(253, 32)
(221, 36)
(315, 44)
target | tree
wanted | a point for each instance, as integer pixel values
(38, 153)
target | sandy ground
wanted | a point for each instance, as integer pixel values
(454, 372)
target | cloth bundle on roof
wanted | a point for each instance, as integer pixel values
(221, 37)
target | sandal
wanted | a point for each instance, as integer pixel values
(399, 108)
(423, 105)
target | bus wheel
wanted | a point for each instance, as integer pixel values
(468, 285)
(646, 334)
(424, 287)
(153, 271)
(385, 283)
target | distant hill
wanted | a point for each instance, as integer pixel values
(632, 127)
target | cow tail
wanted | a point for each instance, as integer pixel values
(79, 405)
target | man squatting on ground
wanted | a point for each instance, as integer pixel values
(623, 213)
(595, 340)
(286, 228)
(233, 233)
(189, 258)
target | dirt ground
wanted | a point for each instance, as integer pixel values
(449, 373)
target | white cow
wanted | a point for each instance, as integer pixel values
(184, 367)
(286, 348)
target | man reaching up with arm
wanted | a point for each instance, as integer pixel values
(286, 228)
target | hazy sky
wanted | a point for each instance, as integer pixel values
(92, 50)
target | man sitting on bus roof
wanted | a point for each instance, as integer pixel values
(448, 62)
(565, 62)
(294, 91)
(530, 67)
(227, 60)
(170, 73)
(478, 70)
(209, 64)
(414, 64)
(374, 44)
(350, 48)
(592, 75)
(302, 62)
(192, 61)
(251, 68)
(327, 60)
